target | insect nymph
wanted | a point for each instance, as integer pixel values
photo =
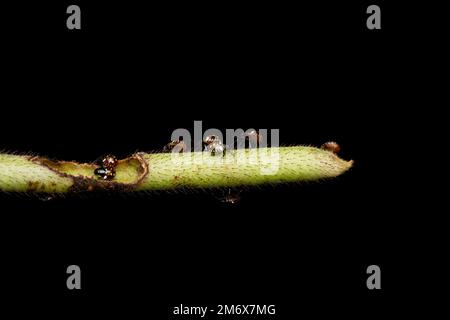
(214, 146)
(107, 171)
(331, 146)
(175, 146)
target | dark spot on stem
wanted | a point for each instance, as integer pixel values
(33, 186)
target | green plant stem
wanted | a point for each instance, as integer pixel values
(167, 171)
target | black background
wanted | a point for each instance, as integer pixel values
(136, 72)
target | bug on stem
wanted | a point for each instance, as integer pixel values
(107, 170)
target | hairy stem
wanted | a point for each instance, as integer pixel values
(166, 171)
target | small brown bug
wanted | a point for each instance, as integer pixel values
(107, 169)
(109, 162)
(214, 146)
(175, 146)
(331, 146)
